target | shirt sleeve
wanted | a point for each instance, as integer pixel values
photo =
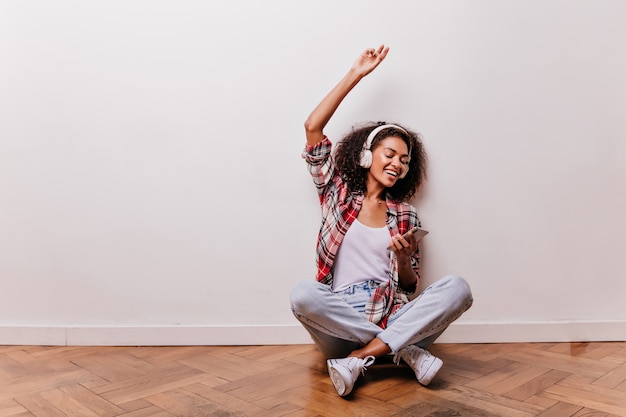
(320, 163)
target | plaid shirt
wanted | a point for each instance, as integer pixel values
(339, 209)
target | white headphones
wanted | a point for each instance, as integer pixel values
(366, 153)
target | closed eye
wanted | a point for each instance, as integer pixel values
(390, 153)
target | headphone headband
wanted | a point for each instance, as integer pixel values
(373, 133)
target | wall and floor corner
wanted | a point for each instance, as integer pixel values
(152, 191)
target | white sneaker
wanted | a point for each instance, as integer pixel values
(421, 361)
(344, 372)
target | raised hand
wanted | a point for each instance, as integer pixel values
(319, 117)
(369, 60)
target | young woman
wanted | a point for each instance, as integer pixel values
(358, 307)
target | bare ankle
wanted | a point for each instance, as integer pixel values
(357, 354)
(376, 348)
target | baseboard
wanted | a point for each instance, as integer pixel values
(460, 332)
(528, 332)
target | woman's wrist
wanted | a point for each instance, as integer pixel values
(404, 261)
(354, 76)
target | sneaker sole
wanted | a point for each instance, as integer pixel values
(338, 382)
(430, 373)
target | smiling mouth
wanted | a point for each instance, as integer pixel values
(392, 173)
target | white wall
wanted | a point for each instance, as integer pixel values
(152, 192)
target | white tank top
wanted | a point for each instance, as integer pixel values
(363, 256)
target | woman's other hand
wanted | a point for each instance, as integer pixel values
(403, 247)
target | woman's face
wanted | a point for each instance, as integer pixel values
(390, 158)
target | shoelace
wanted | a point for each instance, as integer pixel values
(367, 361)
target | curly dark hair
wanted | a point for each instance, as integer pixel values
(348, 152)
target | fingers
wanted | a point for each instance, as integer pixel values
(380, 53)
(369, 59)
(407, 244)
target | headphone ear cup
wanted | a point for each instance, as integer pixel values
(366, 158)
(405, 171)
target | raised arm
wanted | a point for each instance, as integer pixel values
(319, 117)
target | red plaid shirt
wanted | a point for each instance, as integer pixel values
(339, 209)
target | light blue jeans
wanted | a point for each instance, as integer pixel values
(337, 325)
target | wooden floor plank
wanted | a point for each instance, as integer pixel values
(165, 379)
(39, 407)
(499, 377)
(561, 409)
(38, 383)
(536, 385)
(10, 408)
(227, 366)
(480, 400)
(225, 401)
(566, 363)
(541, 401)
(184, 403)
(69, 406)
(108, 368)
(152, 411)
(612, 378)
(92, 401)
(586, 398)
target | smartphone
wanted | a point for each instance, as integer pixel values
(418, 232)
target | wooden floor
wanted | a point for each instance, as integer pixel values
(546, 379)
